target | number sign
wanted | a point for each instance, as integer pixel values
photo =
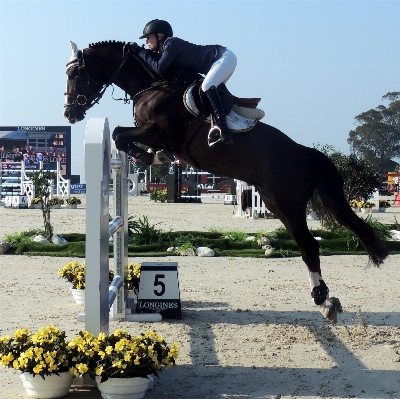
(159, 289)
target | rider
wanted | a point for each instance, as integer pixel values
(216, 62)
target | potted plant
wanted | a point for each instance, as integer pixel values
(56, 202)
(36, 203)
(366, 206)
(121, 363)
(132, 284)
(43, 358)
(73, 202)
(133, 277)
(74, 273)
(383, 204)
(355, 205)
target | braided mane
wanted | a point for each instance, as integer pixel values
(107, 43)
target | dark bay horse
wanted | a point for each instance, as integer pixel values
(263, 157)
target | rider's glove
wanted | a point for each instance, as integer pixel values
(135, 48)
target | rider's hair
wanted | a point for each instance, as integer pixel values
(161, 36)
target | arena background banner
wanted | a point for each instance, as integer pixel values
(34, 144)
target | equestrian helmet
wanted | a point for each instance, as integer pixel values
(157, 26)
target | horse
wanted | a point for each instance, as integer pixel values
(262, 156)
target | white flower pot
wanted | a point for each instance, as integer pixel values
(79, 296)
(123, 388)
(52, 386)
(366, 210)
(382, 209)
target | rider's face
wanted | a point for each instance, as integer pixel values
(151, 41)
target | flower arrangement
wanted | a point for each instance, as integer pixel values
(36, 201)
(121, 355)
(56, 201)
(74, 273)
(73, 201)
(384, 204)
(355, 204)
(43, 353)
(366, 204)
(133, 277)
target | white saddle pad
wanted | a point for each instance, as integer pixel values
(234, 121)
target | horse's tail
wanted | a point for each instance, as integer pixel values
(330, 190)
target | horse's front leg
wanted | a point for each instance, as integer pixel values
(146, 157)
(149, 134)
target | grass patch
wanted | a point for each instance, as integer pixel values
(148, 240)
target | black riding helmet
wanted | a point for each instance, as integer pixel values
(157, 26)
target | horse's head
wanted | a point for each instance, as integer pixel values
(84, 89)
(93, 69)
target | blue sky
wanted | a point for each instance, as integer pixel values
(315, 64)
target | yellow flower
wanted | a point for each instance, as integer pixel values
(118, 364)
(21, 333)
(99, 370)
(38, 369)
(82, 368)
(74, 371)
(6, 359)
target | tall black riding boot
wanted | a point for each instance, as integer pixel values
(219, 115)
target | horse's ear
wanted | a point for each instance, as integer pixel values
(74, 48)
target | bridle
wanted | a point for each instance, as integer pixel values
(83, 77)
(75, 98)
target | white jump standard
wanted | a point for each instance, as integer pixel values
(98, 163)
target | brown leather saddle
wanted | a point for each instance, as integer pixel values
(228, 99)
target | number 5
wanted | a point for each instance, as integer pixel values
(160, 283)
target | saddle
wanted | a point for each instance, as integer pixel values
(242, 114)
(246, 107)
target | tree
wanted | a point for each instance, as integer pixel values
(360, 179)
(377, 139)
(43, 183)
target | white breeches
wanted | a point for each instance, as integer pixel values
(220, 71)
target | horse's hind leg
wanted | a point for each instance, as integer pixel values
(296, 226)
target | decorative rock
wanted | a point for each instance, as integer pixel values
(268, 249)
(4, 247)
(171, 249)
(57, 239)
(250, 238)
(205, 251)
(41, 239)
(264, 241)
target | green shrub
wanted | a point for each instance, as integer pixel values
(158, 195)
(24, 236)
(141, 232)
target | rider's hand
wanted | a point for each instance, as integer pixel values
(134, 47)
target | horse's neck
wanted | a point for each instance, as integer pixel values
(130, 75)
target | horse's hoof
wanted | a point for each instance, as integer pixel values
(334, 307)
(145, 158)
(163, 157)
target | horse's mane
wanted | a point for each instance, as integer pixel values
(107, 43)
